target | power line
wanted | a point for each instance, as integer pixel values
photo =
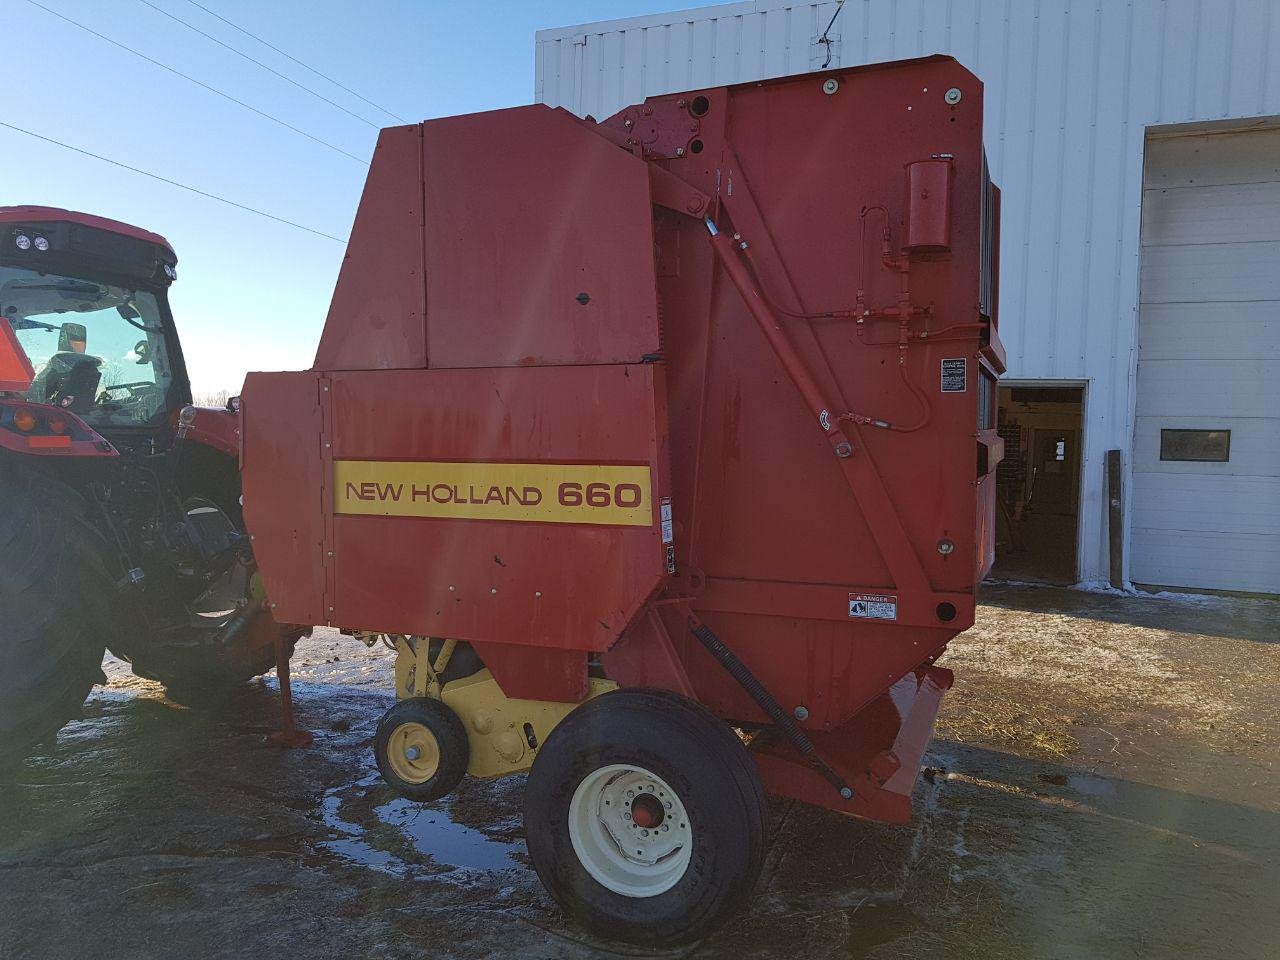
(172, 183)
(240, 53)
(305, 66)
(199, 83)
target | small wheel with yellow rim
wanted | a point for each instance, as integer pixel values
(421, 748)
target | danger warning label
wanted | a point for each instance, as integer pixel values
(955, 375)
(873, 606)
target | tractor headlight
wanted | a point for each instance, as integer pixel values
(42, 244)
(22, 242)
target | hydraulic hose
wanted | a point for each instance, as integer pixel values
(764, 699)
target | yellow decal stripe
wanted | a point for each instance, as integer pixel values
(541, 492)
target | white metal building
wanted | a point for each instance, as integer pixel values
(1137, 145)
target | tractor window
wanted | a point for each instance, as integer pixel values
(98, 350)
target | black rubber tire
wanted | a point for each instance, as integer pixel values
(451, 738)
(703, 760)
(194, 665)
(55, 600)
(202, 668)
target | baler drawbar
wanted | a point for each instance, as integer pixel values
(662, 451)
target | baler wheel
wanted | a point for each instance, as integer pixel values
(645, 817)
(422, 749)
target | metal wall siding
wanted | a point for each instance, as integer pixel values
(1071, 88)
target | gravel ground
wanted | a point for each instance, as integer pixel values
(1103, 784)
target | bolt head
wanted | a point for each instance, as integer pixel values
(952, 96)
(830, 86)
(413, 753)
(846, 793)
(801, 712)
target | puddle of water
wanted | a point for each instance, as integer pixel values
(1090, 785)
(428, 827)
(1084, 783)
(435, 834)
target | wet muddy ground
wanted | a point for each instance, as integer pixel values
(1104, 784)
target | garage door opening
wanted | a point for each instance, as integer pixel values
(1038, 483)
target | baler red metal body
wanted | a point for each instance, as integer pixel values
(726, 357)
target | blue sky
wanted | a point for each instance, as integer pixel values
(252, 294)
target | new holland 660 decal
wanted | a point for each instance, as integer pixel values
(539, 492)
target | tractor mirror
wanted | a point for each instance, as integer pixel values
(16, 372)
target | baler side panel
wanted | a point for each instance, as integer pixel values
(283, 483)
(415, 552)
(539, 245)
(377, 317)
(784, 135)
(777, 539)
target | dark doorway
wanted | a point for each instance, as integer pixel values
(1038, 483)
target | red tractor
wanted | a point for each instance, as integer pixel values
(120, 522)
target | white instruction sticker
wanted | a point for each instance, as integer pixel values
(668, 528)
(955, 375)
(873, 606)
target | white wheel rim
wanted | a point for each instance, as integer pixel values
(630, 830)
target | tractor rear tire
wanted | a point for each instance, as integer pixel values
(55, 598)
(645, 818)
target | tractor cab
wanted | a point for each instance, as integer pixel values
(86, 301)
